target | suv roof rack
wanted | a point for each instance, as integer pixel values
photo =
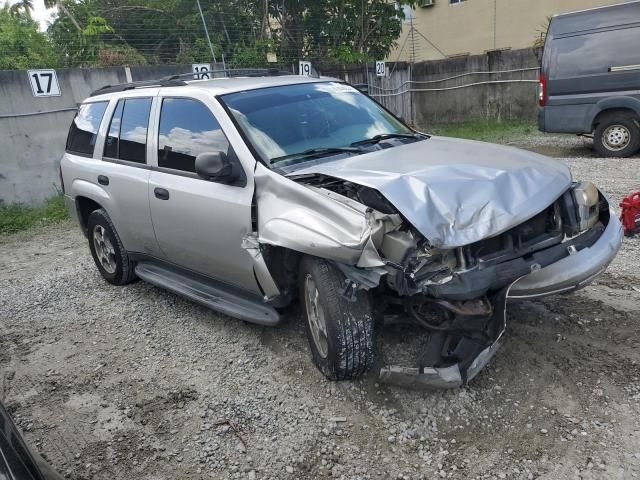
(177, 80)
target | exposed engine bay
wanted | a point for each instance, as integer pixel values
(459, 294)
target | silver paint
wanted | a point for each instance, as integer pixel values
(456, 192)
(318, 222)
(575, 271)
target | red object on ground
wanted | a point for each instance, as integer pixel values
(630, 216)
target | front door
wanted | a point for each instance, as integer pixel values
(199, 224)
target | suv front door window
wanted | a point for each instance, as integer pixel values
(187, 129)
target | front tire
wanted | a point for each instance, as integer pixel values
(107, 250)
(617, 135)
(340, 332)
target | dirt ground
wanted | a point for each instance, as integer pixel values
(137, 383)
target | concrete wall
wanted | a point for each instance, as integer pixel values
(475, 26)
(512, 100)
(33, 130)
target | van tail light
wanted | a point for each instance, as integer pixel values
(542, 91)
(61, 179)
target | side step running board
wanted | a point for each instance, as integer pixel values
(221, 298)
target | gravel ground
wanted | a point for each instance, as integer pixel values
(134, 382)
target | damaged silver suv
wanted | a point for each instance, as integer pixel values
(247, 194)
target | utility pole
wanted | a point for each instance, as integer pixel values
(412, 33)
(206, 31)
(495, 23)
(265, 21)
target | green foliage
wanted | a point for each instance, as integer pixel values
(118, 55)
(80, 34)
(345, 55)
(22, 7)
(17, 217)
(337, 31)
(21, 44)
(96, 26)
(104, 32)
(253, 55)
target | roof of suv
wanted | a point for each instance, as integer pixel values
(220, 86)
(238, 84)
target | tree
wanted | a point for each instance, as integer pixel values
(242, 32)
(22, 45)
(23, 6)
(541, 33)
(338, 30)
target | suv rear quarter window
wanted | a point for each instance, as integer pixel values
(84, 128)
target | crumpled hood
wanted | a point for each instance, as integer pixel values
(456, 192)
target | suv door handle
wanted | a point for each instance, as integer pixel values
(161, 193)
(102, 180)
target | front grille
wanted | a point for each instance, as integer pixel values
(541, 231)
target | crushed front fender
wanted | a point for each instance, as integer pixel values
(318, 222)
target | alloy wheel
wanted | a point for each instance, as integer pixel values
(315, 316)
(104, 249)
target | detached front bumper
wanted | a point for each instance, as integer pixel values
(575, 271)
(561, 268)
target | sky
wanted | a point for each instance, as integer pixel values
(40, 14)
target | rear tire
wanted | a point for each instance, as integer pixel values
(107, 250)
(340, 333)
(617, 135)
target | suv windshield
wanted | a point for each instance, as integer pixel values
(291, 123)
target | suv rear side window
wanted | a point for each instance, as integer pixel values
(187, 129)
(84, 128)
(127, 137)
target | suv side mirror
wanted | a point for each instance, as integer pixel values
(215, 166)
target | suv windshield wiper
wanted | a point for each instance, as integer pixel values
(315, 152)
(387, 136)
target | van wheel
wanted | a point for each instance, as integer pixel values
(617, 135)
(340, 332)
(107, 250)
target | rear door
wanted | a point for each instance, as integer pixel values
(124, 172)
(199, 224)
(113, 174)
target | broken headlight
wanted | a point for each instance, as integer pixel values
(580, 207)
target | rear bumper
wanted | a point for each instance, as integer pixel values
(576, 270)
(541, 122)
(566, 118)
